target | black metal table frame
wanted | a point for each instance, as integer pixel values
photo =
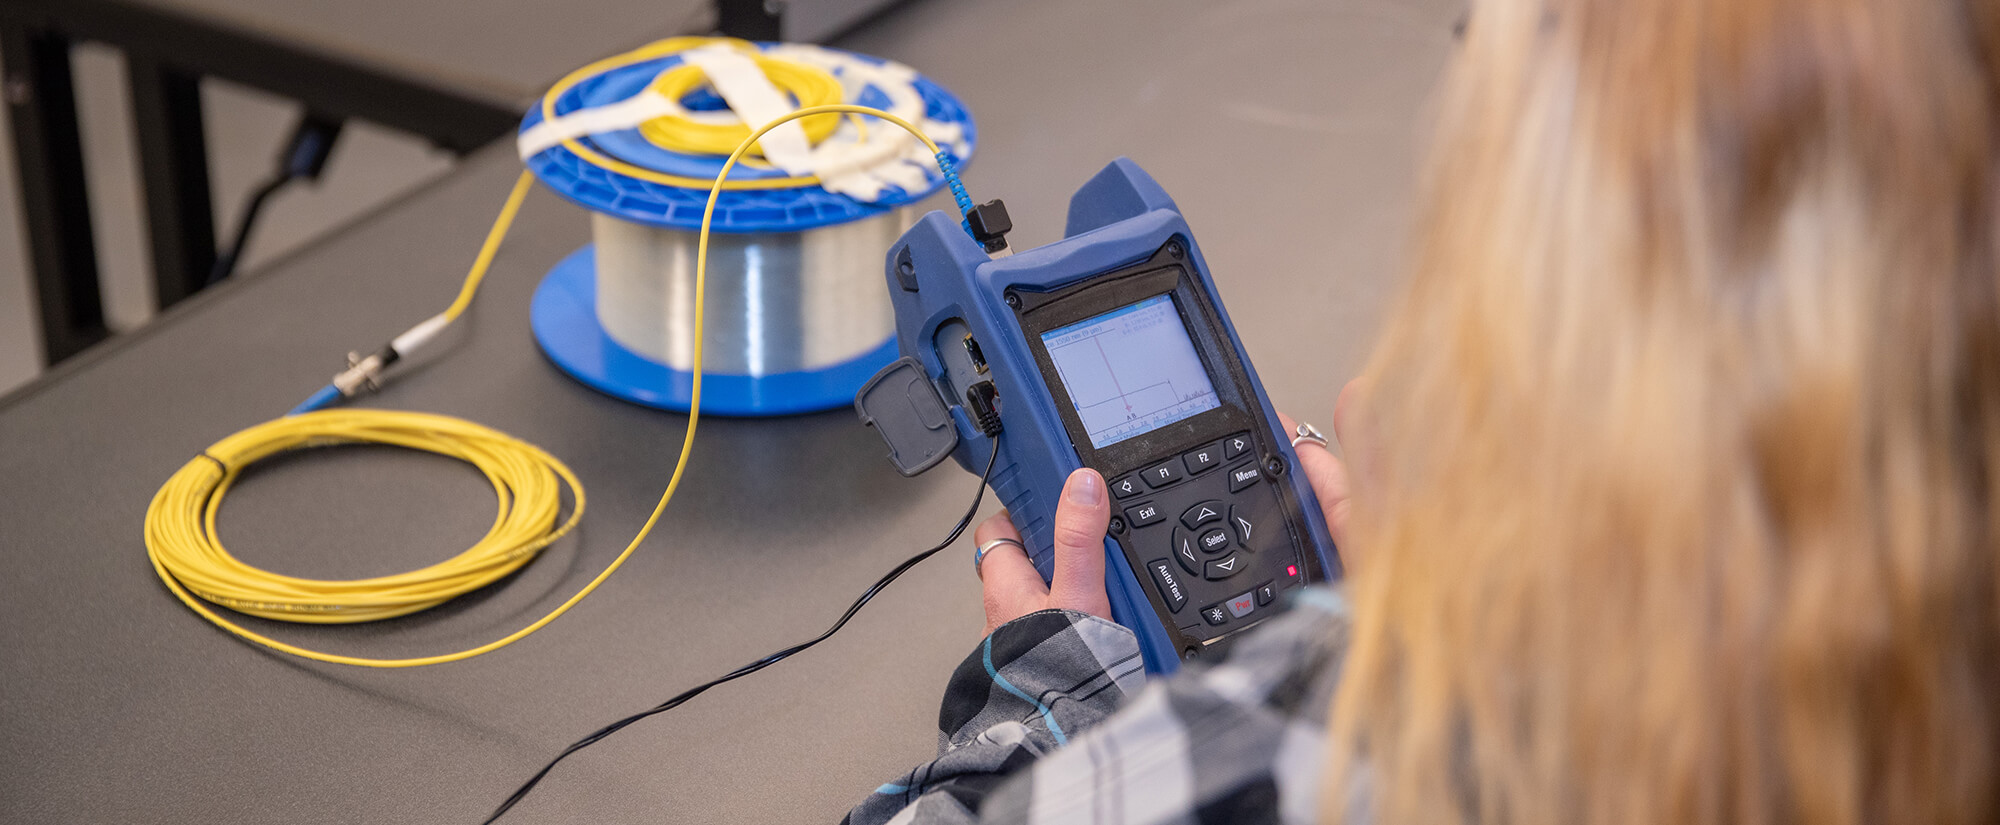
(166, 56)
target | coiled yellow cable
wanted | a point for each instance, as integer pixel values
(188, 555)
(808, 85)
(654, 51)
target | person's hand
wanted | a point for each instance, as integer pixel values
(1327, 474)
(1008, 579)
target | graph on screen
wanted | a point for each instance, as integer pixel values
(1131, 370)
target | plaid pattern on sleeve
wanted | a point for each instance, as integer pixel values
(1045, 724)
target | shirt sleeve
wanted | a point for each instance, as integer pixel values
(1030, 686)
(1238, 741)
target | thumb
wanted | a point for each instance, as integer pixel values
(1082, 517)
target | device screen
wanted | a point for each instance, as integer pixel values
(1131, 370)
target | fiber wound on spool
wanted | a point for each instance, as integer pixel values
(795, 262)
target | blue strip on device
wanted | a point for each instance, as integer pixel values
(1108, 349)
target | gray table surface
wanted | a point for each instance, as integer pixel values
(502, 52)
(1285, 128)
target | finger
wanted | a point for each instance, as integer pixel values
(1327, 476)
(1082, 516)
(1008, 583)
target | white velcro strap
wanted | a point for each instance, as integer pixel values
(737, 78)
(610, 117)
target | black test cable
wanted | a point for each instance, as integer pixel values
(304, 158)
(682, 698)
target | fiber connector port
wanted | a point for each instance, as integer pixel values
(972, 351)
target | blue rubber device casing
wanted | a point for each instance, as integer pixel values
(1120, 218)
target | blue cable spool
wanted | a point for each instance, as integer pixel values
(797, 313)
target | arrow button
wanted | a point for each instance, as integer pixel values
(1224, 568)
(1239, 517)
(1235, 445)
(1201, 514)
(1184, 552)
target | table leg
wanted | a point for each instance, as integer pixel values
(55, 207)
(173, 159)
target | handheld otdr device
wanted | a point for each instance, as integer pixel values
(1109, 349)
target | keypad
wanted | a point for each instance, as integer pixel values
(1217, 526)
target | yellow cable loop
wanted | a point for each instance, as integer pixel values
(181, 537)
(808, 86)
(666, 48)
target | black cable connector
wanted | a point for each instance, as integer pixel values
(304, 158)
(982, 400)
(989, 224)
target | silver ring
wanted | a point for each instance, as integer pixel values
(979, 556)
(1307, 432)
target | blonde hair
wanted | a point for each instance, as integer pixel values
(1680, 505)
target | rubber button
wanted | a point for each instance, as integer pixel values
(1265, 594)
(1215, 614)
(1202, 458)
(1244, 476)
(1140, 515)
(1224, 568)
(1161, 475)
(1239, 518)
(1184, 552)
(1169, 584)
(1126, 487)
(1213, 541)
(1241, 605)
(1235, 445)
(1202, 513)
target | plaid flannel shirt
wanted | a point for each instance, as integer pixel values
(1052, 721)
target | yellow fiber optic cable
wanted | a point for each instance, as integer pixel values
(187, 553)
(674, 132)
